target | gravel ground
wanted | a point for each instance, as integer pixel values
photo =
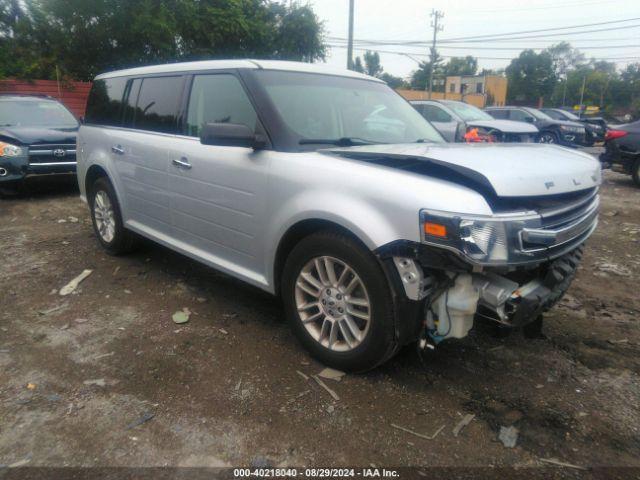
(103, 377)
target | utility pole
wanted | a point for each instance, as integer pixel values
(436, 15)
(350, 43)
(584, 81)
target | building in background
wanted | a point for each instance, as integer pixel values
(479, 90)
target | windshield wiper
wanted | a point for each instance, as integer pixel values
(340, 142)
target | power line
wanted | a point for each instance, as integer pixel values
(473, 47)
(560, 34)
(543, 30)
(499, 36)
(409, 54)
(541, 7)
(599, 47)
(436, 15)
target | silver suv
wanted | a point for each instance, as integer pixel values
(329, 189)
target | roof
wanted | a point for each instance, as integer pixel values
(236, 64)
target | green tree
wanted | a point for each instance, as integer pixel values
(372, 64)
(420, 77)
(357, 65)
(393, 81)
(461, 66)
(85, 37)
(531, 76)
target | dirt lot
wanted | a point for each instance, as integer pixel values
(103, 377)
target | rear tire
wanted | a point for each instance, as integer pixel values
(635, 172)
(332, 302)
(107, 219)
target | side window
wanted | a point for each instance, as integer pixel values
(436, 114)
(131, 98)
(104, 105)
(499, 114)
(218, 98)
(158, 103)
(519, 115)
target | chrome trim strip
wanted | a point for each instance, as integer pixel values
(54, 164)
(37, 153)
(552, 238)
(571, 206)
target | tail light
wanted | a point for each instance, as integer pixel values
(613, 134)
(475, 136)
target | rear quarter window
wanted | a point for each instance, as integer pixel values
(104, 105)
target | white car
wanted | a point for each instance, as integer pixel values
(459, 121)
(282, 175)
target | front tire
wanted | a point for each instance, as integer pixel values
(107, 219)
(548, 137)
(338, 302)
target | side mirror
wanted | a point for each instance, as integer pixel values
(231, 135)
(529, 119)
(81, 120)
(461, 130)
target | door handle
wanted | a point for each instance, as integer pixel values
(182, 163)
(117, 149)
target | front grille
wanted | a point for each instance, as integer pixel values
(52, 153)
(561, 225)
(559, 217)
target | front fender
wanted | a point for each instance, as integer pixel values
(368, 224)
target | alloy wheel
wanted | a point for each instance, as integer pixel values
(547, 138)
(104, 216)
(333, 303)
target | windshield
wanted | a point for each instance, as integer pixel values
(329, 107)
(467, 112)
(538, 114)
(35, 113)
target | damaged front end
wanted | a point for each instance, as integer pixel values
(508, 268)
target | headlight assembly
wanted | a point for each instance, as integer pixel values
(484, 240)
(8, 150)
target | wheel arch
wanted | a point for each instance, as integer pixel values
(93, 173)
(295, 233)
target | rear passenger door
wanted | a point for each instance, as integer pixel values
(218, 193)
(141, 150)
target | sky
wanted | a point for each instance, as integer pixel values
(409, 20)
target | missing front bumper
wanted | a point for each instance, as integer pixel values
(453, 299)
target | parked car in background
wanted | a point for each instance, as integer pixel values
(327, 188)
(457, 120)
(622, 150)
(561, 132)
(595, 127)
(37, 136)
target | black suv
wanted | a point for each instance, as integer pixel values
(37, 136)
(595, 127)
(570, 134)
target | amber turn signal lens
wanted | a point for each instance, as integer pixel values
(435, 229)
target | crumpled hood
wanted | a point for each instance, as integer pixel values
(506, 126)
(510, 170)
(39, 135)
